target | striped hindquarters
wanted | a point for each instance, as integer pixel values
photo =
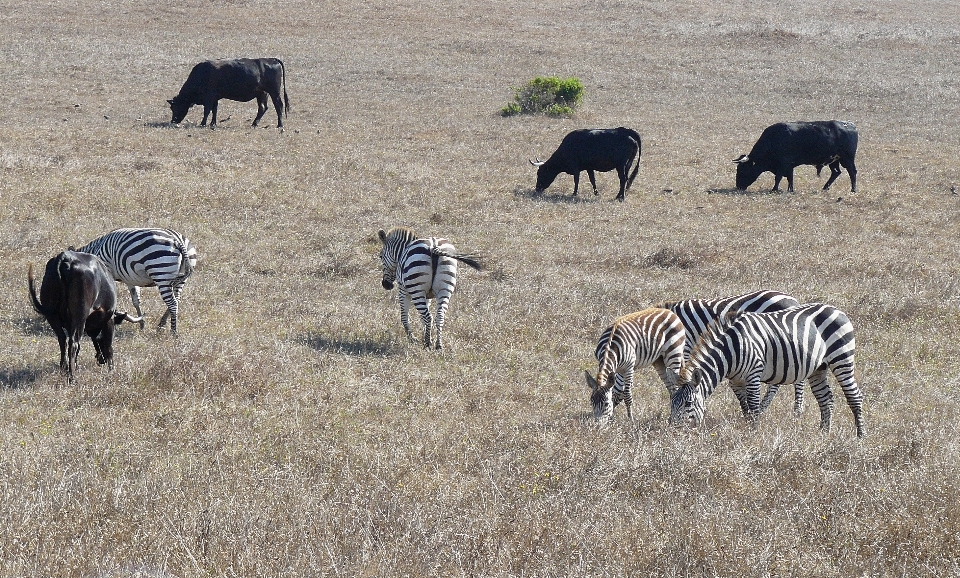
(146, 257)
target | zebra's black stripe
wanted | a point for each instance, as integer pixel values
(806, 342)
(697, 314)
(422, 269)
(145, 258)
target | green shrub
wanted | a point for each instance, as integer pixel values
(548, 95)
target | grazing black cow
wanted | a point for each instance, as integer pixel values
(78, 294)
(592, 150)
(241, 79)
(786, 145)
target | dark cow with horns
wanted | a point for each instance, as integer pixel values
(78, 295)
(241, 79)
(592, 150)
(786, 145)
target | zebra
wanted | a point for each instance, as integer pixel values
(145, 258)
(789, 346)
(423, 268)
(653, 336)
(697, 314)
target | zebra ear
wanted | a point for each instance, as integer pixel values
(591, 382)
(383, 236)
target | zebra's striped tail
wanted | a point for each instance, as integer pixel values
(471, 260)
(186, 264)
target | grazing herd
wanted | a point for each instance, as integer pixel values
(764, 337)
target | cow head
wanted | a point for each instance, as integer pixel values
(747, 171)
(545, 174)
(179, 110)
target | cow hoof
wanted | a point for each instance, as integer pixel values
(620, 198)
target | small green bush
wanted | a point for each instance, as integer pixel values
(548, 95)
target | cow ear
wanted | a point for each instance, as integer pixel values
(382, 235)
(741, 159)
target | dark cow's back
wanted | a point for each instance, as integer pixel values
(239, 79)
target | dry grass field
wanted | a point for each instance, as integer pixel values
(291, 430)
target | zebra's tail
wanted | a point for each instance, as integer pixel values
(471, 260)
(189, 256)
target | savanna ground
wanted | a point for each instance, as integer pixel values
(292, 430)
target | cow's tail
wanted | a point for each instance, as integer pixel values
(283, 81)
(635, 136)
(34, 300)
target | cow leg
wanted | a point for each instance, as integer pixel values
(74, 352)
(790, 180)
(261, 107)
(213, 109)
(206, 112)
(135, 297)
(278, 104)
(851, 170)
(593, 181)
(622, 173)
(834, 173)
(62, 338)
(576, 183)
(776, 181)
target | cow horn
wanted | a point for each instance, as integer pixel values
(538, 163)
(741, 159)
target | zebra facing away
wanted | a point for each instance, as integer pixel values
(145, 258)
(653, 336)
(697, 314)
(801, 343)
(423, 269)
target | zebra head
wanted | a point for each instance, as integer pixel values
(602, 398)
(389, 255)
(688, 402)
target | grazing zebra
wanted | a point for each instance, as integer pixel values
(422, 269)
(653, 336)
(789, 346)
(148, 257)
(697, 314)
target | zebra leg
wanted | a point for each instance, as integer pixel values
(423, 307)
(768, 398)
(821, 391)
(172, 305)
(851, 391)
(404, 298)
(669, 377)
(798, 399)
(135, 297)
(444, 293)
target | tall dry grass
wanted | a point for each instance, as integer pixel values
(291, 429)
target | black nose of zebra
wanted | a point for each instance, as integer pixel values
(387, 284)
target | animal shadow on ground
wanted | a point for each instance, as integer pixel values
(19, 378)
(35, 325)
(741, 193)
(355, 346)
(533, 195)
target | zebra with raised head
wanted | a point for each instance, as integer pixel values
(653, 336)
(806, 342)
(697, 314)
(422, 269)
(145, 258)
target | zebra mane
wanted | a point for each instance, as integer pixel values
(714, 330)
(603, 373)
(402, 235)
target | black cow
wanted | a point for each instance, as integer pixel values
(592, 150)
(786, 145)
(78, 294)
(241, 79)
